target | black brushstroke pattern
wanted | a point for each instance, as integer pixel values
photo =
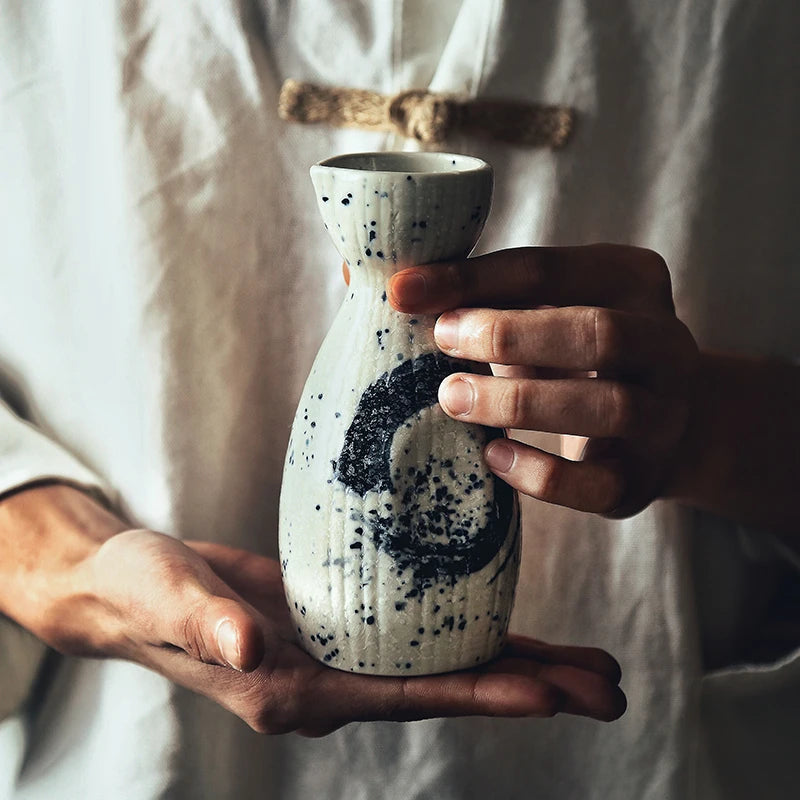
(408, 534)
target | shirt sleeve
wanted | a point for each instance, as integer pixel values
(28, 456)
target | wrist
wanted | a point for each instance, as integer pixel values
(701, 456)
(739, 457)
(48, 536)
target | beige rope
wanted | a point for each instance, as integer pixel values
(426, 116)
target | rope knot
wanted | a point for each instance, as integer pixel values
(428, 117)
(424, 116)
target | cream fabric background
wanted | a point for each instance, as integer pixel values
(165, 282)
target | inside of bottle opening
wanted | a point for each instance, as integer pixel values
(405, 162)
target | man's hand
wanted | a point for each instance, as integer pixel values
(589, 345)
(214, 619)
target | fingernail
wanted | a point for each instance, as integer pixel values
(446, 331)
(499, 456)
(228, 643)
(457, 396)
(408, 288)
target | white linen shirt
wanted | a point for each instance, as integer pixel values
(165, 281)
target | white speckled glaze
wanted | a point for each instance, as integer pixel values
(399, 549)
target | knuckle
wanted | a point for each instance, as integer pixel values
(607, 338)
(549, 480)
(190, 635)
(193, 634)
(475, 694)
(513, 405)
(501, 339)
(620, 410)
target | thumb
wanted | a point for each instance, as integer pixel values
(167, 595)
(220, 630)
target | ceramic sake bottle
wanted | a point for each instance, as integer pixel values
(399, 548)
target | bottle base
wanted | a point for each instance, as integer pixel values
(415, 666)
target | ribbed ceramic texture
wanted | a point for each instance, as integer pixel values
(399, 548)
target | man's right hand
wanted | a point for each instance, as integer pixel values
(214, 619)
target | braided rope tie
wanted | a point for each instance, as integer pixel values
(428, 117)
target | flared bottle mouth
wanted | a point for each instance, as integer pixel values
(408, 163)
(398, 209)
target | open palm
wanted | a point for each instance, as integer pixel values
(181, 592)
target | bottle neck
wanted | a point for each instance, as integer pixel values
(374, 277)
(369, 286)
